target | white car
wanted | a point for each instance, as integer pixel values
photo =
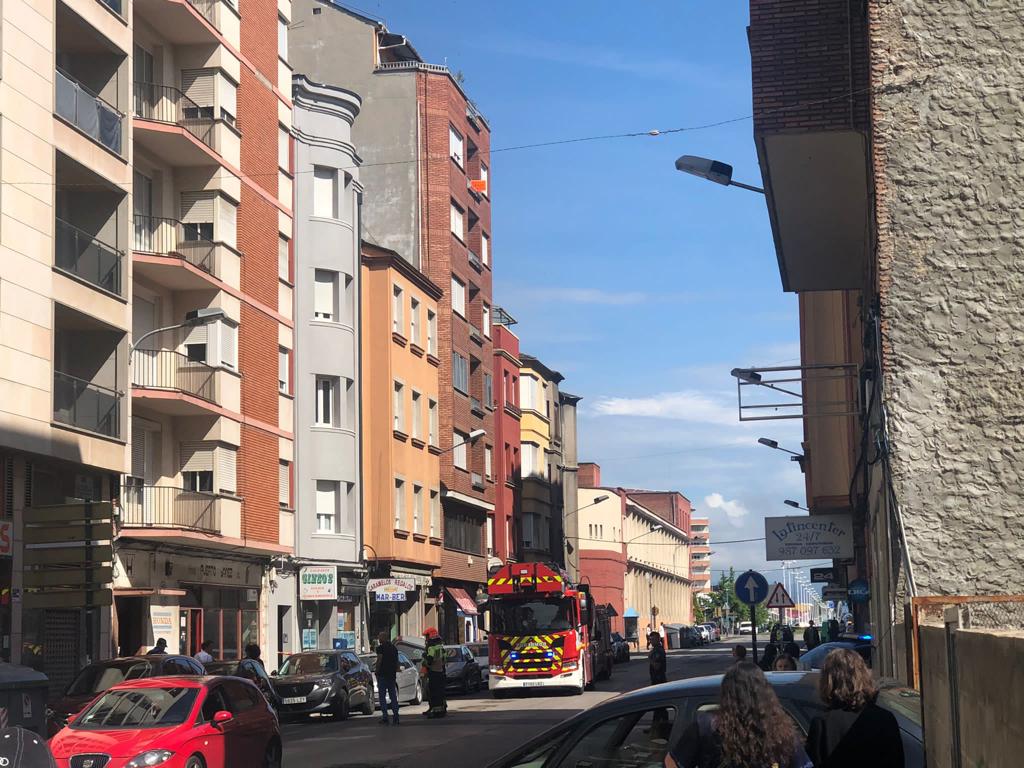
(744, 628)
(479, 651)
(705, 635)
(409, 689)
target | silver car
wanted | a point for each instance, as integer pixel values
(409, 688)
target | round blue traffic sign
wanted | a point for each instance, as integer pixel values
(858, 591)
(751, 588)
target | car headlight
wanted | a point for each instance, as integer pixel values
(325, 682)
(150, 758)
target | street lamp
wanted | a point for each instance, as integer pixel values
(657, 527)
(795, 505)
(712, 170)
(473, 436)
(196, 317)
(597, 500)
(774, 444)
(746, 374)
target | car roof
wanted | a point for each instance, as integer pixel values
(178, 681)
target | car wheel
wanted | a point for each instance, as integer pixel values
(195, 762)
(272, 757)
(367, 708)
(418, 696)
(340, 708)
(465, 683)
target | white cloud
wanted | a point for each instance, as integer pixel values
(733, 509)
(686, 405)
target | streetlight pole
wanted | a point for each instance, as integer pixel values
(712, 170)
(192, 319)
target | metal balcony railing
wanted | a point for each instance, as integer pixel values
(474, 261)
(476, 407)
(475, 335)
(478, 480)
(80, 403)
(167, 369)
(87, 111)
(207, 9)
(157, 506)
(114, 5)
(165, 104)
(170, 237)
(82, 255)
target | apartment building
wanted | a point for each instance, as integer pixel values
(700, 554)
(426, 148)
(401, 440)
(503, 532)
(319, 596)
(211, 306)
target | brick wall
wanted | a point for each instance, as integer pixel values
(507, 432)
(589, 475)
(606, 572)
(259, 39)
(257, 484)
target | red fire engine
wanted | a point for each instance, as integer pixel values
(541, 629)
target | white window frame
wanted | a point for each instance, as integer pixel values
(460, 456)
(414, 320)
(398, 407)
(417, 508)
(431, 332)
(283, 265)
(399, 504)
(324, 491)
(488, 462)
(457, 223)
(456, 145)
(327, 387)
(397, 309)
(458, 297)
(432, 423)
(435, 513)
(417, 415)
(325, 185)
(459, 362)
(325, 291)
(282, 38)
(485, 177)
(485, 249)
(284, 150)
(283, 367)
(486, 320)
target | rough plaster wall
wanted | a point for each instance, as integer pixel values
(948, 80)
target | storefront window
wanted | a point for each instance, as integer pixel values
(347, 624)
(230, 620)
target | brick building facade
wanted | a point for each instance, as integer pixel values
(505, 530)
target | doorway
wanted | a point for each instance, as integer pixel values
(132, 618)
(191, 630)
(284, 633)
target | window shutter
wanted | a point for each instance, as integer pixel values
(200, 334)
(228, 93)
(199, 85)
(197, 207)
(138, 449)
(227, 222)
(228, 344)
(324, 183)
(226, 468)
(323, 294)
(283, 148)
(282, 259)
(284, 492)
(197, 457)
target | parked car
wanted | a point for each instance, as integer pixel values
(174, 722)
(408, 679)
(705, 635)
(814, 658)
(250, 670)
(689, 637)
(461, 669)
(745, 627)
(479, 651)
(638, 728)
(324, 682)
(715, 630)
(96, 678)
(620, 648)
(413, 647)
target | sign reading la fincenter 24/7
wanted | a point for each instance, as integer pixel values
(808, 537)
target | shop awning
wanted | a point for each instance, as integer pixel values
(463, 600)
(631, 613)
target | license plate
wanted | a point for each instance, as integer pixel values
(532, 684)
(295, 700)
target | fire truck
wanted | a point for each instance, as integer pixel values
(542, 629)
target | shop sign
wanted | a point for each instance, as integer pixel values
(318, 582)
(6, 538)
(164, 622)
(808, 537)
(390, 590)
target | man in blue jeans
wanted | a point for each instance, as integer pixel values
(387, 677)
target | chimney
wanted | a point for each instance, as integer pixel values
(589, 475)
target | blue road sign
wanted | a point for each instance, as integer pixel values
(859, 591)
(751, 587)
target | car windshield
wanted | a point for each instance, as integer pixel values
(138, 708)
(902, 701)
(554, 614)
(453, 654)
(222, 668)
(309, 664)
(97, 678)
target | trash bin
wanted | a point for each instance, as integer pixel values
(23, 693)
(673, 637)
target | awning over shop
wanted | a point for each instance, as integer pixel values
(631, 613)
(463, 600)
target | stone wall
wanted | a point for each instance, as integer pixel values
(948, 140)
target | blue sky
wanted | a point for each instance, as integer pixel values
(643, 286)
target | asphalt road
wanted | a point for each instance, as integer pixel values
(478, 728)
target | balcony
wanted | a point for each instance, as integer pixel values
(172, 371)
(513, 410)
(476, 407)
(157, 506)
(84, 405)
(474, 261)
(89, 113)
(80, 254)
(478, 481)
(475, 335)
(189, 22)
(172, 126)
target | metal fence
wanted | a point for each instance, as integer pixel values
(166, 104)
(88, 112)
(170, 237)
(158, 506)
(80, 254)
(167, 369)
(80, 403)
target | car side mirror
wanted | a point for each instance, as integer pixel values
(273, 673)
(222, 716)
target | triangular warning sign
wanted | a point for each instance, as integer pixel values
(779, 598)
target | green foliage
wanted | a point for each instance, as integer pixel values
(724, 602)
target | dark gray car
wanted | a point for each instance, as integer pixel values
(461, 669)
(638, 728)
(325, 682)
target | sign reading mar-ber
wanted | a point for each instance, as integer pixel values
(813, 537)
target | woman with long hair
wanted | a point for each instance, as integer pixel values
(855, 731)
(750, 729)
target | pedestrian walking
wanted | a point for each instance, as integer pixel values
(739, 653)
(252, 651)
(750, 729)
(657, 661)
(811, 637)
(855, 731)
(784, 663)
(160, 648)
(433, 670)
(386, 669)
(204, 656)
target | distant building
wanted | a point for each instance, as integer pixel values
(700, 554)
(504, 526)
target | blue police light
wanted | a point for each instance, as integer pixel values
(866, 637)
(514, 655)
(550, 654)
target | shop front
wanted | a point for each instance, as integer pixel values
(330, 610)
(396, 603)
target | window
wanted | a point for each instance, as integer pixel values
(488, 457)
(284, 148)
(455, 145)
(417, 416)
(459, 449)
(283, 269)
(431, 333)
(460, 373)
(398, 407)
(487, 321)
(485, 249)
(464, 532)
(399, 504)
(326, 506)
(282, 369)
(457, 224)
(528, 387)
(490, 535)
(397, 310)
(458, 296)
(488, 390)
(414, 321)
(531, 460)
(282, 38)
(284, 484)
(326, 401)
(432, 422)
(325, 295)
(198, 481)
(325, 192)
(484, 177)
(635, 738)
(417, 509)
(225, 337)
(435, 514)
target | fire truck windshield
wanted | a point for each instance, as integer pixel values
(520, 617)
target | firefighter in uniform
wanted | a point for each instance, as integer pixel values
(433, 671)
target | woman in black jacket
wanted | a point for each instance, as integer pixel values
(854, 732)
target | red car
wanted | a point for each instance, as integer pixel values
(173, 722)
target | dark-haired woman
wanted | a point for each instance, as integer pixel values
(750, 729)
(855, 731)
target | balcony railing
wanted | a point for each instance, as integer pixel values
(207, 9)
(476, 407)
(157, 506)
(82, 255)
(478, 481)
(475, 335)
(88, 112)
(167, 369)
(474, 261)
(80, 403)
(114, 5)
(170, 237)
(164, 104)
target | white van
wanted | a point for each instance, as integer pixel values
(744, 627)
